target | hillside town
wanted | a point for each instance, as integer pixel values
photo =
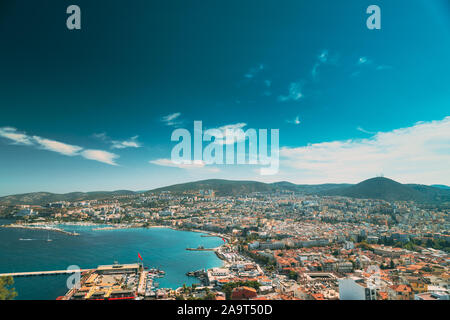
(280, 246)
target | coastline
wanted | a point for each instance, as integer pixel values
(51, 226)
(36, 227)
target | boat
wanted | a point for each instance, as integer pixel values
(48, 237)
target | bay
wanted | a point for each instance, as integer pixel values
(24, 250)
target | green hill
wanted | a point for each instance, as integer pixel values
(390, 190)
(375, 188)
(40, 198)
(221, 187)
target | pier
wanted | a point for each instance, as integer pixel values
(201, 249)
(41, 273)
(44, 228)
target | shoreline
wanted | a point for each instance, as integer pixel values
(44, 228)
(50, 226)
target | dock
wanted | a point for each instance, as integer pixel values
(45, 228)
(41, 273)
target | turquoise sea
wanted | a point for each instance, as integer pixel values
(28, 250)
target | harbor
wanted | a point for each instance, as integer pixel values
(41, 273)
(37, 227)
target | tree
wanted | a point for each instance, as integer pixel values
(293, 275)
(392, 264)
(7, 292)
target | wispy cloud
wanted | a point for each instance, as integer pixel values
(419, 153)
(15, 136)
(190, 165)
(368, 63)
(130, 143)
(229, 133)
(365, 131)
(172, 119)
(254, 71)
(56, 146)
(295, 121)
(323, 58)
(101, 156)
(364, 61)
(295, 93)
(118, 144)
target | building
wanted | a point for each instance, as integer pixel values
(354, 288)
(243, 293)
(400, 292)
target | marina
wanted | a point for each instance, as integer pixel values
(158, 247)
(41, 273)
(46, 228)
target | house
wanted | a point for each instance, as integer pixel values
(243, 293)
(400, 292)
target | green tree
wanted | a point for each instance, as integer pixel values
(7, 292)
(293, 275)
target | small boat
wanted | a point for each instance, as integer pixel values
(48, 237)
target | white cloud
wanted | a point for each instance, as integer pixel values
(295, 93)
(187, 165)
(364, 60)
(130, 143)
(323, 58)
(228, 132)
(295, 121)
(365, 131)
(417, 154)
(118, 144)
(171, 119)
(101, 156)
(101, 136)
(56, 146)
(15, 136)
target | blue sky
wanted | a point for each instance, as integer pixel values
(94, 109)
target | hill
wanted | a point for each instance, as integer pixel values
(375, 188)
(40, 198)
(309, 188)
(221, 187)
(390, 190)
(440, 186)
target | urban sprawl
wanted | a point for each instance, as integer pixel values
(277, 246)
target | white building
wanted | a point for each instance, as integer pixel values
(355, 288)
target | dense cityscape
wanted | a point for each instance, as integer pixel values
(277, 245)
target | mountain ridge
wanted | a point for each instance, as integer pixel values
(374, 188)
